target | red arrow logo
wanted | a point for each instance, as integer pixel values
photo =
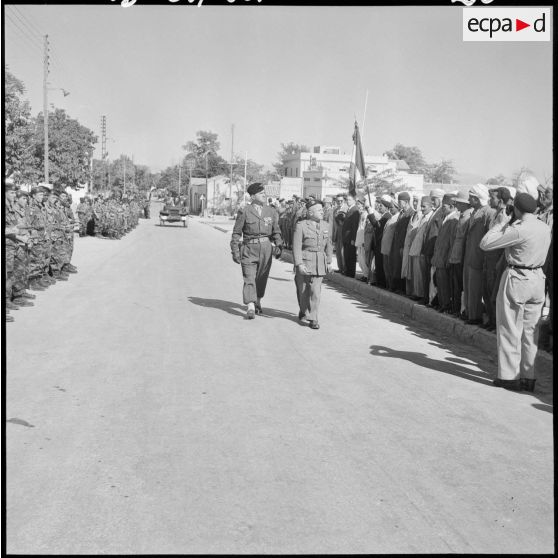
(519, 25)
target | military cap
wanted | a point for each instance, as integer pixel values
(255, 188)
(525, 203)
(39, 190)
(311, 202)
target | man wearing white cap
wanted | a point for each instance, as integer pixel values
(479, 223)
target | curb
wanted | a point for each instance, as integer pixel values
(471, 335)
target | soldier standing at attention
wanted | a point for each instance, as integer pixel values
(257, 224)
(521, 293)
(312, 254)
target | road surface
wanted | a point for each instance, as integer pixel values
(146, 415)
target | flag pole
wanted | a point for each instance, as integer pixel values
(361, 136)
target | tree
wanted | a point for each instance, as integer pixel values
(499, 180)
(204, 151)
(287, 152)
(18, 131)
(442, 172)
(411, 155)
(70, 149)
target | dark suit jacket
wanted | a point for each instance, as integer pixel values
(350, 225)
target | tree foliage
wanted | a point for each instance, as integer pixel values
(18, 130)
(287, 151)
(204, 153)
(441, 173)
(411, 155)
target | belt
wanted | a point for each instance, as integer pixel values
(312, 249)
(257, 240)
(513, 266)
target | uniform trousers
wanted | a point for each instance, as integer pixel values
(37, 257)
(472, 286)
(308, 291)
(489, 278)
(57, 254)
(255, 260)
(518, 311)
(9, 258)
(21, 267)
(443, 285)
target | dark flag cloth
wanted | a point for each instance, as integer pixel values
(359, 160)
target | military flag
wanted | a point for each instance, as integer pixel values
(359, 160)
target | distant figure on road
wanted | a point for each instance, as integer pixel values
(257, 224)
(312, 254)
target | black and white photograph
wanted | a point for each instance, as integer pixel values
(278, 278)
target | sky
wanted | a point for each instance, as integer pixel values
(281, 74)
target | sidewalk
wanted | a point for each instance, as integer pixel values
(445, 324)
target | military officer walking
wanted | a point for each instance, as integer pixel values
(258, 225)
(521, 292)
(312, 254)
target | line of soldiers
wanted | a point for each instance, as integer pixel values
(112, 217)
(39, 242)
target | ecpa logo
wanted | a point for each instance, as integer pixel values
(506, 24)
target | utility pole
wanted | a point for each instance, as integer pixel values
(179, 175)
(45, 105)
(124, 170)
(232, 155)
(103, 145)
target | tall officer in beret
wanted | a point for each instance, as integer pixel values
(258, 225)
(312, 254)
(521, 292)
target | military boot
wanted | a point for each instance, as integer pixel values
(11, 306)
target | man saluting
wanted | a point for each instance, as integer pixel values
(257, 224)
(312, 253)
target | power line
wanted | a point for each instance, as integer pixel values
(26, 31)
(29, 20)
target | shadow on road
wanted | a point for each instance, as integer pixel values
(463, 355)
(421, 359)
(239, 310)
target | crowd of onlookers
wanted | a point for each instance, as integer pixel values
(427, 247)
(39, 235)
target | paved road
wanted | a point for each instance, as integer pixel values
(146, 415)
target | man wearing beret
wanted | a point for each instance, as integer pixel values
(38, 279)
(257, 224)
(479, 224)
(521, 292)
(312, 254)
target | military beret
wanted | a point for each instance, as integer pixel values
(255, 188)
(312, 202)
(39, 190)
(525, 203)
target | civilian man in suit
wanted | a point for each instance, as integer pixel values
(348, 233)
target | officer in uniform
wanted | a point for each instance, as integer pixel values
(312, 254)
(257, 224)
(521, 292)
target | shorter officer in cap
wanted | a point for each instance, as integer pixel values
(257, 225)
(312, 254)
(521, 292)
